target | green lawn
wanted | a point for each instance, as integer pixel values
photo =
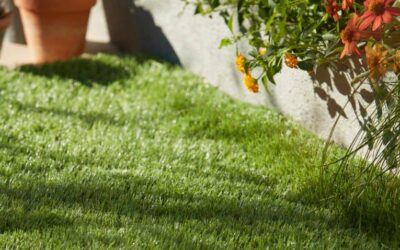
(109, 152)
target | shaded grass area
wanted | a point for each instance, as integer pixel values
(111, 152)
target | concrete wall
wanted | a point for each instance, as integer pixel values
(14, 33)
(162, 28)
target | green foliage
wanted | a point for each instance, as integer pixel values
(302, 28)
(111, 152)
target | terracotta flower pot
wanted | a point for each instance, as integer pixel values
(55, 29)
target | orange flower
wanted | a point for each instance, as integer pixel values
(290, 60)
(378, 12)
(396, 65)
(250, 83)
(376, 60)
(241, 63)
(350, 36)
(333, 9)
(346, 4)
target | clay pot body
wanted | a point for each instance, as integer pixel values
(5, 22)
(55, 29)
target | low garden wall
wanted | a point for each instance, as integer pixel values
(166, 30)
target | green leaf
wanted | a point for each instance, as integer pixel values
(199, 9)
(240, 4)
(270, 74)
(387, 136)
(270, 21)
(225, 42)
(264, 80)
(329, 37)
(306, 65)
(230, 23)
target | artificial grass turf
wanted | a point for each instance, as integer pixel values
(110, 152)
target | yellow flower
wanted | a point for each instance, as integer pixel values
(250, 83)
(262, 51)
(376, 60)
(290, 60)
(241, 63)
(396, 65)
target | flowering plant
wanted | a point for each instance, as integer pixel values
(306, 34)
(362, 35)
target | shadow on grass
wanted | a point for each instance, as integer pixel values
(89, 118)
(370, 202)
(141, 196)
(131, 195)
(16, 220)
(241, 175)
(144, 198)
(87, 71)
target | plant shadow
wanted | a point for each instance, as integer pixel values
(137, 22)
(16, 220)
(333, 81)
(89, 118)
(140, 196)
(142, 199)
(86, 71)
(371, 207)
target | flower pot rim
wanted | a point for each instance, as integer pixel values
(55, 6)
